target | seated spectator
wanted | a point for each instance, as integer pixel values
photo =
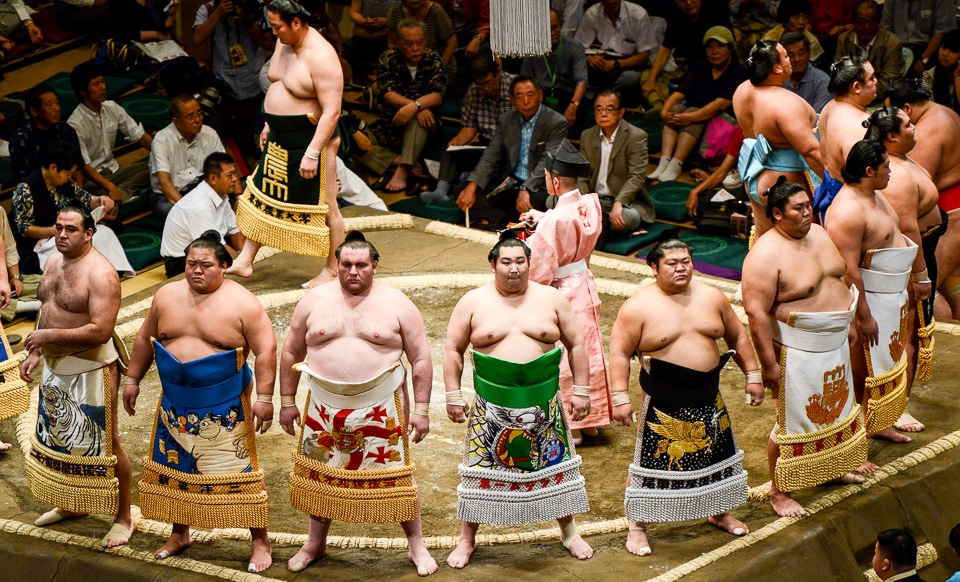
(511, 167)
(147, 21)
(487, 98)
(751, 19)
(370, 33)
(828, 19)
(942, 80)
(955, 544)
(96, 121)
(438, 32)
(38, 199)
(410, 84)
(354, 191)
(623, 36)
(571, 15)
(793, 16)
(237, 42)
(23, 288)
(868, 41)
(562, 72)
(89, 17)
(471, 22)
(725, 175)
(178, 152)
(687, 22)
(920, 26)
(806, 81)
(895, 556)
(617, 152)
(206, 207)
(16, 26)
(43, 128)
(704, 92)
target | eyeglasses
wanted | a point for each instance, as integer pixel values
(192, 116)
(607, 110)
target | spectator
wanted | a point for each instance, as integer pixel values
(370, 33)
(96, 121)
(206, 207)
(471, 21)
(920, 26)
(624, 35)
(793, 16)
(687, 22)
(486, 100)
(87, 17)
(895, 556)
(151, 20)
(751, 19)
(438, 31)
(617, 152)
(942, 80)
(867, 40)
(828, 19)
(411, 83)
(704, 92)
(571, 15)
(511, 167)
(178, 152)
(562, 72)
(43, 128)
(955, 544)
(806, 81)
(726, 174)
(237, 41)
(23, 288)
(16, 26)
(37, 200)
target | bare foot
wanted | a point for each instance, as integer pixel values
(398, 183)
(322, 277)
(576, 436)
(729, 524)
(460, 556)
(637, 542)
(5, 446)
(56, 514)
(888, 434)
(853, 478)
(906, 423)
(239, 269)
(261, 556)
(786, 506)
(118, 535)
(867, 467)
(308, 554)
(590, 432)
(176, 543)
(579, 548)
(424, 562)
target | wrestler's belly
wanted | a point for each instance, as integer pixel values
(831, 294)
(929, 216)
(280, 101)
(351, 361)
(693, 350)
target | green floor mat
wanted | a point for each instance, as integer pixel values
(628, 245)
(152, 111)
(670, 200)
(134, 206)
(150, 223)
(416, 207)
(142, 248)
(654, 130)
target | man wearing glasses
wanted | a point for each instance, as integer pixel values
(867, 40)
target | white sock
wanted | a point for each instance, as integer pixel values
(25, 306)
(661, 166)
(673, 171)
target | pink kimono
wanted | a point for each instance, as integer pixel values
(564, 239)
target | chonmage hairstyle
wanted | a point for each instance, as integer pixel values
(211, 240)
(669, 240)
(881, 122)
(864, 154)
(844, 73)
(763, 57)
(355, 240)
(778, 195)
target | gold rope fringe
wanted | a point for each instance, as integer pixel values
(811, 469)
(885, 409)
(926, 346)
(14, 394)
(303, 239)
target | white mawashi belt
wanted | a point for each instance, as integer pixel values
(571, 269)
(880, 282)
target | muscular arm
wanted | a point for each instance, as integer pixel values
(795, 127)
(103, 304)
(141, 358)
(258, 332)
(760, 283)
(571, 336)
(624, 339)
(417, 349)
(736, 337)
(458, 338)
(294, 351)
(847, 234)
(327, 77)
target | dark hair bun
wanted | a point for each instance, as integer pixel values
(212, 235)
(354, 235)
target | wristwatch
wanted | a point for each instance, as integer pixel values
(417, 103)
(924, 61)
(18, 277)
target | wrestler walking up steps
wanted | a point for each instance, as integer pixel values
(202, 469)
(77, 414)
(347, 336)
(283, 205)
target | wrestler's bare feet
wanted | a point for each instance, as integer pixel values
(786, 506)
(118, 535)
(322, 277)
(888, 434)
(5, 446)
(178, 541)
(460, 556)
(261, 556)
(422, 559)
(637, 542)
(576, 437)
(852, 478)
(867, 467)
(906, 423)
(729, 524)
(398, 183)
(308, 554)
(590, 432)
(241, 268)
(579, 548)
(56, 514)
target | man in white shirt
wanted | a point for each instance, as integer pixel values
(96, 121)
(179, 151)
(206, 207)
(625, 37)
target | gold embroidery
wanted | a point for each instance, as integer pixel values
(899, 336)
(825, 410)
(275, 172)
(680, 437)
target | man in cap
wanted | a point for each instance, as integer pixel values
(564, 239)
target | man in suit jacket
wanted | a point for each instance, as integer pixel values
(883, 48)
(516, 151)
(617, 152)
(895, 556)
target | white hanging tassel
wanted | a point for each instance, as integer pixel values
(519, 28)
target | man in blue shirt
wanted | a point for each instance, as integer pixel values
(806, 81)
